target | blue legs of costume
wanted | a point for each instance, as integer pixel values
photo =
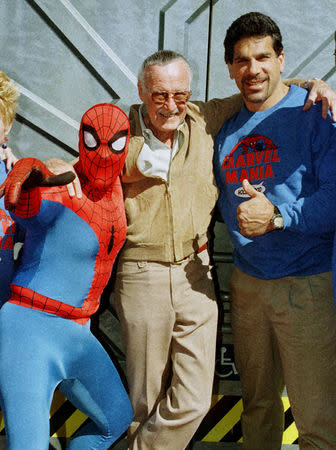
(98, 392)
(40, 351)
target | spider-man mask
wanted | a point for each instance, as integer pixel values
(103, 142)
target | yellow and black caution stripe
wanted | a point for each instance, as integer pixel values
(65, 419)
(222, 423)
(2, 425)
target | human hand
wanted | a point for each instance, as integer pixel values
(28, 173)
(8, 156)
(319, 90)
(254, 215)
(58, 166)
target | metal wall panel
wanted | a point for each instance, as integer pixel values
(68, 55)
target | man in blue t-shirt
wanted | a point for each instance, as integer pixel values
(275, 167)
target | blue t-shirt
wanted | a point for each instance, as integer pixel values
(9, 234)
(290, 156)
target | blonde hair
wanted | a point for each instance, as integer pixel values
(9, 93)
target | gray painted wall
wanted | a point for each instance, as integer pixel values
(67, 55)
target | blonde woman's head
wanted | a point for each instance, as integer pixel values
(9, 93)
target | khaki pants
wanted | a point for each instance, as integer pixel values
(168, 315)
(285, 333)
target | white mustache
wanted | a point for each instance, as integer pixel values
(167, 113)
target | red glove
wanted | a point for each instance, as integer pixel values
(28, 173)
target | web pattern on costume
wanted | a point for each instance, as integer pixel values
(103, 139)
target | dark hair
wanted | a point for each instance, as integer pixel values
(251, 24)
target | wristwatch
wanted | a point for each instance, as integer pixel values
(306, 84)
(277, 220)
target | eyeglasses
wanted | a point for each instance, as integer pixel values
(180, 97)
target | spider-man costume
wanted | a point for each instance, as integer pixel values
(10, 233)
(70, 247)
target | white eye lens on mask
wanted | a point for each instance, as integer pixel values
(119, 144)
(89, 140)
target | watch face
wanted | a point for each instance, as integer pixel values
(278, 222)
